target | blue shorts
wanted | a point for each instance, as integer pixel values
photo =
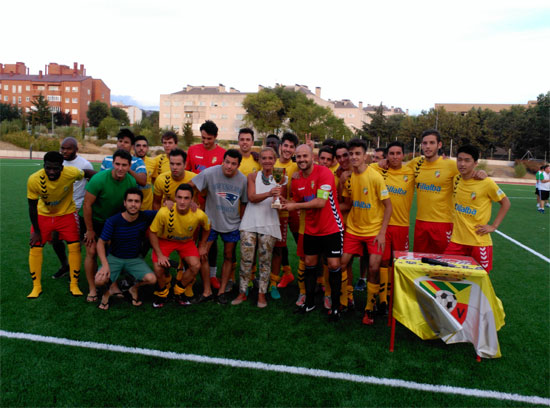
(233, 236)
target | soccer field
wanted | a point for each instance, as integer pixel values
(70, 353)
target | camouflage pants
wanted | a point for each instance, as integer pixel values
(265, 252)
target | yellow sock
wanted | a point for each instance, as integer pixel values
(344, 289)
(372, 291)
(301, 272)
(287, 270)
(383, 296)
(179, 275)
(325, 283)
(178, 289)
(350, 292)
(274, 279)
(75, 259)
(35, 267)
(189, 289)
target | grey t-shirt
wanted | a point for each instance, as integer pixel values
(223, 195)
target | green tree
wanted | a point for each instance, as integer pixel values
(120, 115)
(263, 111)
(9, 112)
(40, 111)
(62, 119)
(109, 126)
(188, 137)
(97, 111)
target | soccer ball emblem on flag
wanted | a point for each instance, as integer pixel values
(446, 299)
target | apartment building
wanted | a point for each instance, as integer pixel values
(196, 104)
(134, 113)
(67, 89)
(463, 108)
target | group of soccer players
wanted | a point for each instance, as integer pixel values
(337, 205)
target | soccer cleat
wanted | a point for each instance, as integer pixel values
(547, 205)
(214, 282)
(229, 286)
(383, 309)
(301, 300)
(361, 285)
(541, 210)
(159, 302)
(368, 318)
(327, 302)
(304, 309)
(182, 300)
(285, 280)
(61, 272)
(274, 292)
(334, 315)
(75, 290)
(36, 291)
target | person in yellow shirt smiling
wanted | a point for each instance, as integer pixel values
(472, 202)
(167, 183)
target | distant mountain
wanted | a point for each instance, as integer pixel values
(129, 100)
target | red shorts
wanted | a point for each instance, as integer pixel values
(294, 221)
(432, 237)
(67, 226)
(284, 227)
(483, 255)
(300, 246)
(353, 244)
(397, 239)
(184, 248)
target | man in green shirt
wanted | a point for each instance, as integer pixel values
(104, 198)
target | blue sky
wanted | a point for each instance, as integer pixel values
(401, 53)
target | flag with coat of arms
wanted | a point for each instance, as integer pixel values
(456, 304)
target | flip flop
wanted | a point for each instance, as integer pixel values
(135, 301)
(103, 306)
(92, 298)
(118, 295)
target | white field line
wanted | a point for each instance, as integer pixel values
(523, 246)
(389, 382)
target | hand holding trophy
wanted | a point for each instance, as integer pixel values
(280, 178)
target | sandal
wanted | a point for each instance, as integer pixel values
(134, 300)
(103, 306)
(92, 298)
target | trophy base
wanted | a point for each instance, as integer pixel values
(276, 205)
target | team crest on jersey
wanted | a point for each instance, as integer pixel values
(473, 195)
(232, 198)
(500, 192)
(312, 184)
(214, 159)
(66, 188)
(437, 173)
(190, 228)
(405, 178)
(365, 191)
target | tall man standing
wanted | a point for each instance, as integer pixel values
(226, 188)
(370, 207)
(200, 157)
(162, 165)
(51, 208)
(104, 198)
(69, 149)
(434, 189)
(315, 193)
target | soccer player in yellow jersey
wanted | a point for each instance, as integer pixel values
(399, 181)
(472, 202)
(162, 163)
(167, 183)
(173, 229)
(141, 147)
(249, 163)
(367, 198)
(434, 188)
(288, 145)
(51, 208)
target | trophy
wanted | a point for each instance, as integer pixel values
(280, 178)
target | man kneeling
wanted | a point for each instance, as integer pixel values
(125, 232)
(173, 229)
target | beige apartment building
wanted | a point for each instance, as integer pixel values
(134, 113)
(463, 108)
(196, 104)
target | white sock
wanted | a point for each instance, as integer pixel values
(213, 271)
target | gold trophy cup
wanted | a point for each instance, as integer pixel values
(280, 178)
